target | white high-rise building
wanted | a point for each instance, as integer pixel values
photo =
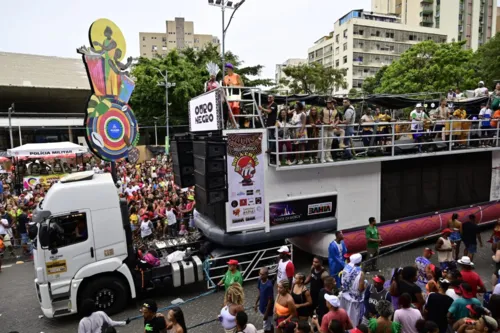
(279, 74)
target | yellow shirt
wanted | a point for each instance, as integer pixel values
(383, 118)
(134, 219)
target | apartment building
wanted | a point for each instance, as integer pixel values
(363, 42)
(179, 34)
(471, 20)
(279, 74)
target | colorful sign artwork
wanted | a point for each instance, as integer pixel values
(245, 173)
(205, 113)
(112, 129)
(302, 209)
(29, 182)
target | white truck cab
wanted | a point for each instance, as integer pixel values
(83, 246)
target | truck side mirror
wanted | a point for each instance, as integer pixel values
(44, 236)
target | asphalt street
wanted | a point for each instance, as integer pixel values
(19, 308)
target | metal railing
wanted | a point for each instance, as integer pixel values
(383, 140)
(246, 98)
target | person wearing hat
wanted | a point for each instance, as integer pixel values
(417, 117)
(471, 277)
(286, 268)
(475, 312)
(481, 90)
(153, 322)
(444, 249)
(335, 312)
(422, 263)
(233, 80)
(233, 275)
(458, 308)
(330, 119)
(485, 324)
(353, 288)
(373, 295)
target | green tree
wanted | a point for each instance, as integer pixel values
(188, 70)
(430, 67)
(487, 58)
(372, 82)
(313, 78)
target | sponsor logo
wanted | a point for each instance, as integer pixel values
(240, 194)
(258, 200)
(238, 220)
(259, 208)
(243, 202)
(249, 192)
(257, 192)
(237, 212)
(319, 208)
(234, 203)
(248, 211)
(250, 218)
(251, 201)
(204, 113)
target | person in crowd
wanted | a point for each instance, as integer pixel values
(336, 252)
(233, 303)
(286, 269)
(394, 286)
(373, 295)
(175, 321)
(471, 236)
(471, 277)
(284, 133)
(422, 263)
(384, 324)
(329, 289)
(313, 133)
(455, 279)
(407, 285)
(475, 312)
(367, 132)
(146, 228)
(373, 241)
(171, 220)
(153, 321)
(349, 120)
(284, 308)
(242, 325)
(301, 132)
(496, 259)
(353, 286)
(495, 236)
(382, 130)
(486, 132)
(407, 315)
(444, 248)
(95, 321)
(439, 116)
(270, 116)
(315, 279)
(330, 119)
(335, 312)
(481, 90)
(426, 326)
(456, 233)
(433, 275)
(301, 297)
(233, 275)
(265, 300)
(417, 117)
(458, 308)
(437, 305)
(485, 324)
(302, 327)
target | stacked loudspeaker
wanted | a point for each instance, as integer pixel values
(182, 158)
(211, 178)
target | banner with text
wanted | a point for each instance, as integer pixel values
(29, 182)
(245, 176)
(205, 112)
(302, 209)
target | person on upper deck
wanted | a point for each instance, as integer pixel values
(233, 80)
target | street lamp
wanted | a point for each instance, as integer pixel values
(10, 111)
(225, 4)
(167, 85)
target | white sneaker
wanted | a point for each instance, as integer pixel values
(310, 159)
(293, 162)
(323, 161)
(300, 162)
(329, 160)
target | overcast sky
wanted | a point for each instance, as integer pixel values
(263, 32)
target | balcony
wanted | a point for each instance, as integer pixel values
(426, 11)
(426, 2)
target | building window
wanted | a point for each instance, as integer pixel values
(389, 35)
(144, 54)
(377, 33)
(337, 50)
(143, 38)
(344, 60)
(345, 33)
(361, 32)
(144, 46)
(412, 37)
(164, 39)
(345, 46)
(69, 229)
(164, 48)
(337, 63)
(337, 38)
(154, 48)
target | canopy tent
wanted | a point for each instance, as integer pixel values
(44, 149)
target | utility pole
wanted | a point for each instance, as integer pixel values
(11, 110)
(167, 85)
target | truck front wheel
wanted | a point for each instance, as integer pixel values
(107, 293)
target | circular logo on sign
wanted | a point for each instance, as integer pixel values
(234, 203)
(114, 128)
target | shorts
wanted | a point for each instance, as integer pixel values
(24, 239)
(471, 248)
(455, 236)
(133, 227)
(267, 325)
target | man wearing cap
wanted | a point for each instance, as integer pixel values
(353, 288)
(458, 308)
(153, 322)
(374, 294)
(471, 277)
(233, 275)
(417, 117)
(286, 269)
(233, 80)
(481, 90)
(421, 263)
(444, 249)
(335, 312)
(336, 252)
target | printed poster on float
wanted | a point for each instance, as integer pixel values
(245, 172)
(205, 112)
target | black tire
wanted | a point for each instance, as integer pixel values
(108, 293)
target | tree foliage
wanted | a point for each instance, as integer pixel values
(430, 67)
(487, 59)
(313, 78)
(372, 82)
(187, 70)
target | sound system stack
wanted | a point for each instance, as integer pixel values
(183, 162)
(210, 174)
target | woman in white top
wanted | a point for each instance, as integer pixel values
(96, 321)
(146, 228)
(406, 315)
(234, 300)
(284, 134)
